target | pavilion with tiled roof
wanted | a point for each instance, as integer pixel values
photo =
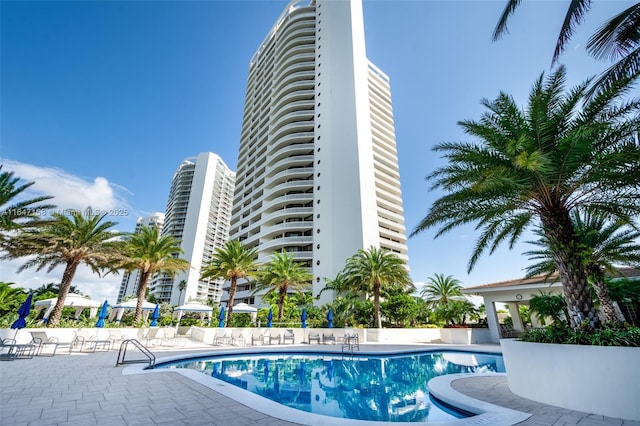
(518, 292)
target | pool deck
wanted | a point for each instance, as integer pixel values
(87, 389)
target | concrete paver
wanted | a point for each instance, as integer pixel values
(87, 389)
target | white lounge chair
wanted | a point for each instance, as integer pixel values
(222, 338)
(288, 336)
(238, 338)
(84, 340)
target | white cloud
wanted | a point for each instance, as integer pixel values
(85, 280)
(69, 191)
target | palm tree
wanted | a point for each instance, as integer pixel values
(181, 286)
(565, 151)
(375, 271)
(440, 290)
(20, 212)
(231, 262)
(605, 243)
(151, 253)
(70, 241)
(618, 38)
(281, 275)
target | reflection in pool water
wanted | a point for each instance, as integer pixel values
(390, 388)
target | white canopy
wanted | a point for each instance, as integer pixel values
(72, 300)
(193, 307)
(118, 310)
(244, 308)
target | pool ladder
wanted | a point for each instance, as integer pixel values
(122, 353)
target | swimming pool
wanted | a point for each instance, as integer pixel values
(373, 388)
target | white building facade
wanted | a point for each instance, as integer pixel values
(131, 280)
(317, 170)
(198, 216)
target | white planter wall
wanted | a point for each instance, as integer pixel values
(594, 379)
(465, 336)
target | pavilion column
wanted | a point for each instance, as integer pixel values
(492, 320)
(514, 311)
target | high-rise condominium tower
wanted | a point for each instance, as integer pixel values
(317, 168)
(198, 214)
(130, 280)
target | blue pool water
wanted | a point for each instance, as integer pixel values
(374, 388)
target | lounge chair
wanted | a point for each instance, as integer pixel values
(171, 338)
(84, 340)
(314, 337)
(222, 338)
(237, 338)
(10, 350)
(116, 336)
(328, 338)
(153, 336)
(42, 341)
(257, 339)
(273, 338)
(288, 336)
(350, 341)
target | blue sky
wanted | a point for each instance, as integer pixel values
(102, 100)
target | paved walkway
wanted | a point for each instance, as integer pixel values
(495, 390)
(86, 389)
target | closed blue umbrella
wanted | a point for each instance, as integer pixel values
(303, 317)
(221, 317)
(270, 318)
(23, 313)
(330, 318)
(103, 314)
(155, 315)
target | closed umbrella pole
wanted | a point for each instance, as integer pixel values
(103, 315)
(330, 318)
(270, 318)
(23, 313)
(155, 315)
(221, 317)
(303, 318)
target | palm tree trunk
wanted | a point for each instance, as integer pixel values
(142, 289)
(232, 295)
(569, 263)
(65, 285)
(281, 297)
(602, 292)
(376, 304)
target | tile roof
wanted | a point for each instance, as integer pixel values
(543, 279)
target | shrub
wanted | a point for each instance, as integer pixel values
(606, 336)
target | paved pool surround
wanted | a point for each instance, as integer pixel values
(87, 389)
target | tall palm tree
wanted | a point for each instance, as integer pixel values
(231, 262)
(15, 212)
(281, 275)
(534, 166)
(440, 290)
(72, 240)
(617, 39)
(605, 243)
(375, 271)
(151, 253)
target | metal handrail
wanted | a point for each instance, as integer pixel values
(146, 352)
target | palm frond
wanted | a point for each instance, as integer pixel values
(501, 27)
(618, 37)
(575, 15)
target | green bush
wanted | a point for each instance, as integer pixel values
(606, 336)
